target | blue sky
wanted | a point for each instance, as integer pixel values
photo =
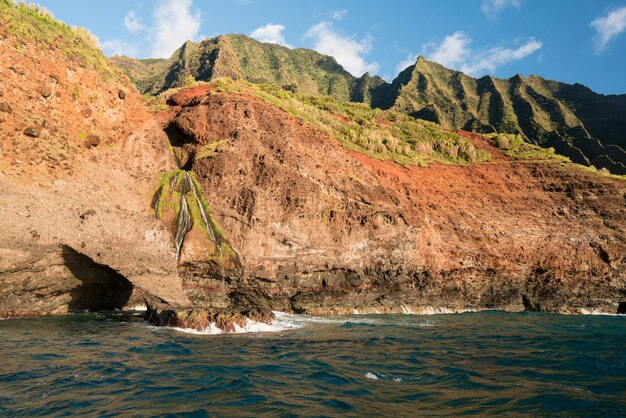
(567, 40)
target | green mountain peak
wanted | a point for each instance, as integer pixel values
(585, 126)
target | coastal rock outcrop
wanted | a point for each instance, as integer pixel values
(322, 229)
(76, 227)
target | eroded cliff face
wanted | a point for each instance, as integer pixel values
(321, 229)
(80, 158)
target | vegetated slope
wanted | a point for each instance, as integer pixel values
(80, 158)
(587, 127)
(324, 224)
(242, 58)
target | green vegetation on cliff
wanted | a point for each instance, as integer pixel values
(242, 58)
(578, 123)
(582, 125)
(179, 204)
(385, 135)
(34, 25)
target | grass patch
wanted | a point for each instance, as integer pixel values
(211, 149)
(514, 146)
(382, 134)
(35, 25)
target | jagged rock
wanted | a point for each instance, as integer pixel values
(32, 131)
(226, 319)
(325, 230)
(121, 94)
(92, 141)
(578, 123)
(112, 257)
(4, 107)
(45, 92)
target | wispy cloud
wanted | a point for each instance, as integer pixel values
(270, 33)
(338, 14)
(455, 52)
(348, 51)
(491, 8)
(608, 27)
(174, 23)
(132, 22)
(119, 47)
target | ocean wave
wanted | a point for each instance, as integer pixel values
(282, 322)
(381, 376)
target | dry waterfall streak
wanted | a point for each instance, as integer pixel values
(184, 224)
(209, 229)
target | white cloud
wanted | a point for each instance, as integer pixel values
(119, 47)
(409, 60)
(338, 14)
(491, 8)
(608, 27)
(174, 24)
(347, 51)
(270, 33)
(455, 51)
(132, 22)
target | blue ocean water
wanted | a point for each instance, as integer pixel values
(387, 365)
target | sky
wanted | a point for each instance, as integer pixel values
(572, 41)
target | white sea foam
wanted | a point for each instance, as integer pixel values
(285, 322)
(282, 322)
(381, 376)
(588, 312)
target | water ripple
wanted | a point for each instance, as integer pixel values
(477, 363)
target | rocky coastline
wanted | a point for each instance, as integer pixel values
(223, 207)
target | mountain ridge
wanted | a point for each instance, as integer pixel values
(583, 125)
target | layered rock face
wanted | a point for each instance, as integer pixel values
(80, 158)
(321, 229)
(227, 207)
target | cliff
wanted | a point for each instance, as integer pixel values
(585, 126)
(321, 227)
(237, 199)
(80, 158)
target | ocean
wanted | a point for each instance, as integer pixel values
(484, 363)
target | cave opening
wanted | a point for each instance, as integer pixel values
(101, 289)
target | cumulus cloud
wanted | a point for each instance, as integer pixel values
(119, 47)
(348, 52)
(491, 8)
(270, 33)
(132, 22)
(608, 27)
(174, 23)
(455, 51)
